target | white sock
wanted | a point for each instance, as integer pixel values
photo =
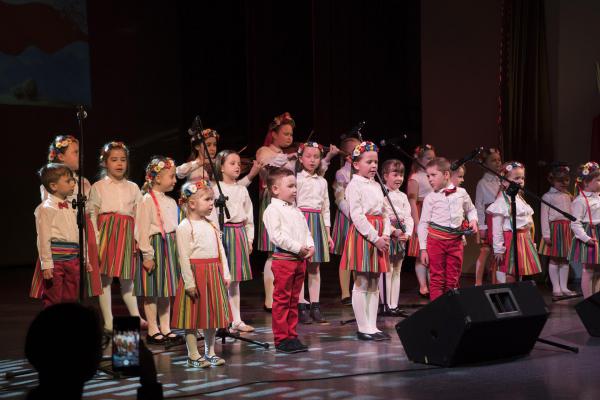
(128, 298)
(268, 279)
(553, 272)
(359, 305)
(388, 288)
(105, 302)
(191, 343)
(301, 297)
(563, 272)
(421, 272)
(164, 314)
(394, 291)
(314, 284)
(234, 301)
(587, 274)
(372, 307)
(151, 315)
(500, 277)
(209, 342)
(380, 286)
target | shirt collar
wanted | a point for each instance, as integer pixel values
(361, 178)
(55, 199)
(280, 203)
(450, 186)
(305, 174)
(488, 176)
(111, 180)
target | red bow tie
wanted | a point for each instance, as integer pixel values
(63, 204)
(448, 192)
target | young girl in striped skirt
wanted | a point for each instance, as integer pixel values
(503, 233)
(312, 199)
(416, 189)
(341, 223)
(586, 229)
(201, 300)
(556, 230)
(368, 240)
(238, 230)
(112, 206)
(155, 225)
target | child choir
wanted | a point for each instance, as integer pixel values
(187, 265)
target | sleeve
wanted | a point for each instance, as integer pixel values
(323, 166)
(310, 242)
(249, 211)
(94, 203)
(424, 222)
(277, 161)
(273, 222)
(184, 250)
(224, 262)
(86, 186)
(471, 212)
(245, 181)
(143, 221)
(498, 234)
(480, 206)
(325, 211)
(545, 219)
(387, 225)
(187, 168)
(340, 195)
(409, 222)
(579, 211)
(43, 224)
(43, 193)
(357, 215)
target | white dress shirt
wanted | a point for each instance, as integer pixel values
(147, 222)
(559, 200)
(501, 219)
(313, 193)
(239, 206)
(402, 206)
(485, 194)
(287, 226)
(342, 178)
(424, 187)
(54, 224)
(580, 211)
(193, 171)
(365, 197)
(198, 239)
(449, 211)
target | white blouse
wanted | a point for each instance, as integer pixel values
(342, 178)
(580, 211)
(424, 187)
(364, 197)
(148, 224)
(313, 193)
(286, 226)
(559, 200)
(198, 239)
(239, 206)
(402, 206)
(501, 219)
(485, 194)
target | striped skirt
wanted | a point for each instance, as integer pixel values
(360, 255)
(561, 238)
(583, 253)
(341, 225)
(61, 251)
(529, 262)
(162, 280)
(93, 283)
(237, 250)
(116, 248)
(315, 222)
(413, 245)
(264, 244)
(397, 248)
(211, 308)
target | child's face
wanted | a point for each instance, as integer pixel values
(310, 159)
(437, 179)
(427, 156)
(493, 161)
(457, 177)
(516, 175)
(71, 156)
(232, 166)
(202, 202)
(350, 145)
(64, 187)
(593, 185)
(393, 179)
(165, 180)
(561, 183)
(366, 165)
(116, 164)
(211, 145)
(283, 136)
(285, 189)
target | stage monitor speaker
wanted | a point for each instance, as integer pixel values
(475, 324)
(589, 313)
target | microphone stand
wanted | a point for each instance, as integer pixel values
(79, 204)
(221, 204)
(406, 154)
(513, 190)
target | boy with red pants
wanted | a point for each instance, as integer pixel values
(442, 227)
(289, 232)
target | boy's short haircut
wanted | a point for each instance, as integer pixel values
(276, 174)
(52, 172)
(442, 164)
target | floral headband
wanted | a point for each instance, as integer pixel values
(509, 166)
(156, 165)
(420, 150)
(586, 169)
(309, 144)
(58, 145)
(112, 145)
(362, 148)
(208, 133)
(189, 189)
(280, 120)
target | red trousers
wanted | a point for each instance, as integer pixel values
(289, 277)
(64, 285)
(445, 265)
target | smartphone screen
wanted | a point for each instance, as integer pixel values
(126, 345)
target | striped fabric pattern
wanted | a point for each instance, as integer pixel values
(264, 244)
(237, 251)
(341, 225)
(116, 247)
(443, 232)
(529, 262)
(93, 282)
(360, 255)
(61, 251)
(316, 225)
(397, 247)
(211, 309)
(561, 238)
(413, 245)
(582, 252)
(163, 279)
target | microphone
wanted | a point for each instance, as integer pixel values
(456, 164)
(196, 126)
(354, 132)
(81, 113)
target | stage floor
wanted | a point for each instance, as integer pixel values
(337, 365)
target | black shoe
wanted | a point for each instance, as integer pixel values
(315, 313)
(346, 301)
(367, 336)
(298, 345)
(267, 309)
(382, 336)
(398, 312)
(285, 347)
(304, 314)
(155, 340)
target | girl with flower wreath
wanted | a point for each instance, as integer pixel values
(155, 224)
(586, 228)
